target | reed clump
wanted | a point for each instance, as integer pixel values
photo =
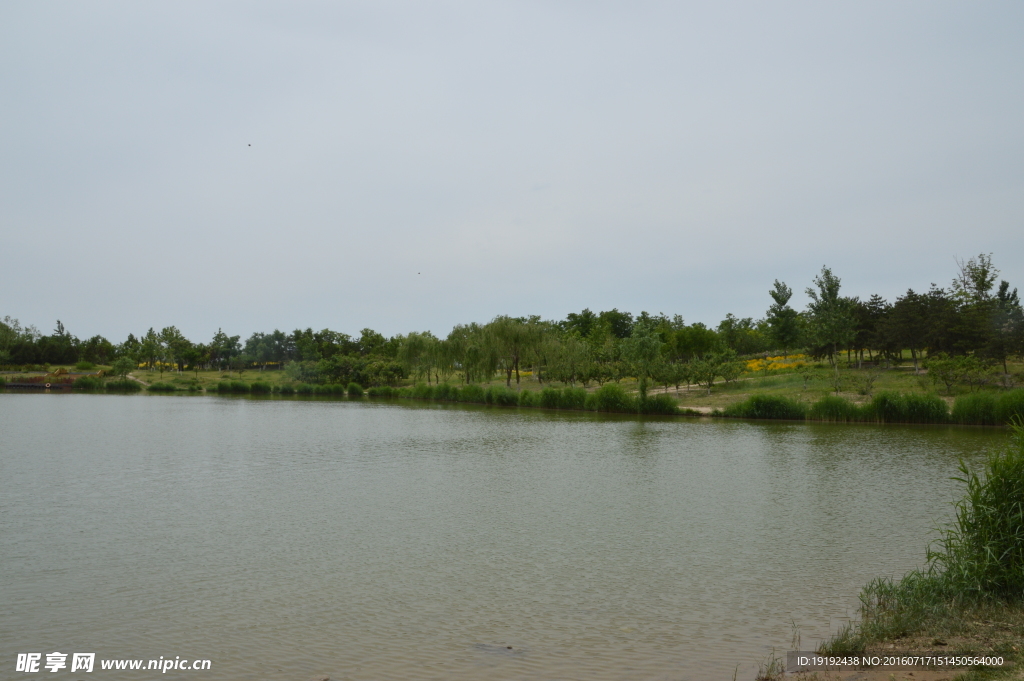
(767, 407)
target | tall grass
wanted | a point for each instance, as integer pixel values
(977, 562)
(160, 387)
(355, 390)
(611, 397)
(549, 398)
(502, 396)
(977, 409)
(1010, 407)
(767, 407)
(835, 409)
(573, 398)
(891, 407)
(88, 383)
(124, 385)
(446, 393)
(473, 394)
(528, 398)
(382, 391)
(662, 404)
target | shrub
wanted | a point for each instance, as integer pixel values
(83, 383)
(549, 398)
(660, 404)
(472, 393)
(304, 389)
(528, 398)
(355, 390)
(446, 393)
(85, 366)
(260, 388)
(502, 396)
(3, 381)
(382, 391)
(161, 388)
(1010, 407)
(338, 389)
(287, 389)
(124, 385)
(975, 409)
(404, 393)
(572, 398)
(239, 387)
(611, 397)
(835, 409)
(323, 389)
(890, 407)
(767, 407)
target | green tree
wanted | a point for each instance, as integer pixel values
(832, 323)
(783, 320)
(123, 366)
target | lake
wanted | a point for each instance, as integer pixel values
(281, 538)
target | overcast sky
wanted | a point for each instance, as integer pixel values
(411, 166)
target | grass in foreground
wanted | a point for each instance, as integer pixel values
(970, 596)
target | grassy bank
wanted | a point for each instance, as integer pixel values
(808, 392)
(980, 409)
(609, 398)
(969, 598)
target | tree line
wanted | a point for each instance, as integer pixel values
(971, 318)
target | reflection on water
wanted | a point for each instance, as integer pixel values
(283, 538)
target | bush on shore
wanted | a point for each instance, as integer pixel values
(260, 388)
(355, 390)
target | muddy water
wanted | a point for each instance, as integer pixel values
(285, 538)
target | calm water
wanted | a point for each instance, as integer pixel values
(374, 541)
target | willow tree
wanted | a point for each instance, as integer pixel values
(642, 353)
(512, 339)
